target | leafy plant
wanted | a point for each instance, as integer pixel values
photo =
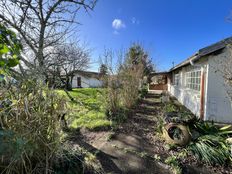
(211, 145)
(206, 127)
(10, 48)
(159, 125)
(170, 108)
(212, 149)
(174, 163)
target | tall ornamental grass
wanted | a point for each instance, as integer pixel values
(30, 130)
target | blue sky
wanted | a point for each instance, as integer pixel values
(170, 30)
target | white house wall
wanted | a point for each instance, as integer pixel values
(219, 105)
(86, 82)
(188, 97)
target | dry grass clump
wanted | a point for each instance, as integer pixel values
(30, 130)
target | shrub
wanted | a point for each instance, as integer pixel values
(113, 95)
(122, 93)
(123, 82)
(130, 79)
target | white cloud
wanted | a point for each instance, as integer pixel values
(135, 21)
(118, 24)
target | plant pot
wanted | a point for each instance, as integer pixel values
(176, 134)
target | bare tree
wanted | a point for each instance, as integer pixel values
(42, 25)
(66, 60)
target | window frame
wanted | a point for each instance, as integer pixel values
(193, 79)
(176, 79)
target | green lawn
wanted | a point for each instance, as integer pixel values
(89, 110)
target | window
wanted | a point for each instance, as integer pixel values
(177, 79)
(193, 80)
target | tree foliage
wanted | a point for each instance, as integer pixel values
(137, 55)
(103, 69)
(10, 48)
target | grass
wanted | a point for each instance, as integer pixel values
(89, 110)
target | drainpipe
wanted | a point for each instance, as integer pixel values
(202, 96)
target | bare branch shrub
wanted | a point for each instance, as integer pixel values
(112, 83)
(123, 80)
(131, 82)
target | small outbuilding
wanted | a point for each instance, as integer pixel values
(86, 79)
(158, 81)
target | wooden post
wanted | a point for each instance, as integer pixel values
(202, 95)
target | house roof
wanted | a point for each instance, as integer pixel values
(203, 52)
(87, 73)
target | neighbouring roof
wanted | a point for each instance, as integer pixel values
(203, 52)
(158, 73)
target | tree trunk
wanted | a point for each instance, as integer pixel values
(67, 84)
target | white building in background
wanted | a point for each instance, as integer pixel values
(198, 84)
(86, 79)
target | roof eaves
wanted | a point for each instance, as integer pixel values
(185, 62)
(203, 52)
